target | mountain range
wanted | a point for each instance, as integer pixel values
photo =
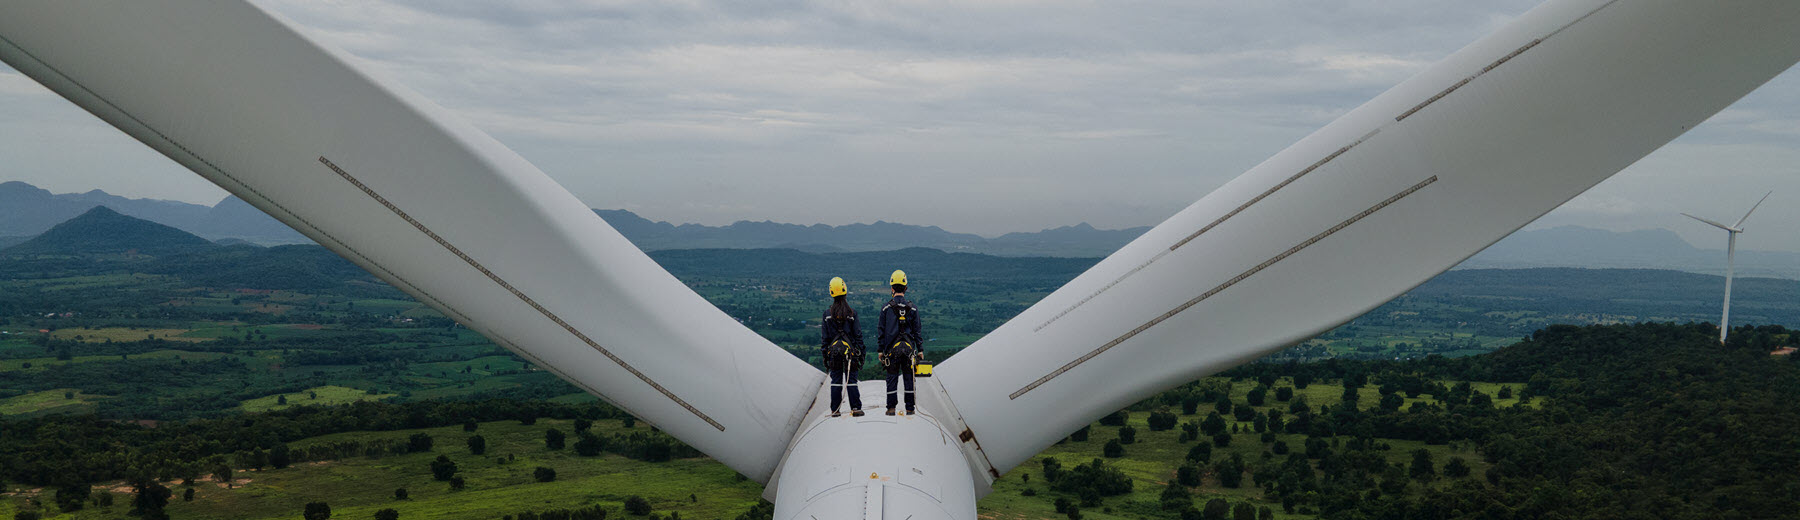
(26, 211)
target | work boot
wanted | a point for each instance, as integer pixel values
(890, 411)
(834, 413)
(856, 413)
(911, 412)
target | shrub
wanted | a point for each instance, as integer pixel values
(1222, 439)
(553, 439)
(1216, 509)
(1115, 419)
(1279, 448)
(1030, 492)
(1113, 449)
(477, 445)
(418, 443)
(1244, 413)
(317, 511)
(637, 506)
(1097, 476)
(443, 468)
(457, 483)
(1190, 405)
(1230, 471)
(582, 425)
(1284, 394)
(1080, 435)
(401, 494)
(1127, 435)
(1052, 470)
(470, 425)
(387, 514)
(1243, 511)
(544, 474)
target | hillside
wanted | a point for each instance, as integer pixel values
(27, 210)
(103, 231)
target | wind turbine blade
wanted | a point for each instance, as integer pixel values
(1714, 224)
(1373, 204)
(1740, 222)
(421, 199)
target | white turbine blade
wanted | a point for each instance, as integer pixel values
(420, 199)
(1740, 222)
(1714, 224)
(1379, 201)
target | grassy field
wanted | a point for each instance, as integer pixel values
(317, 396)
(500, 482)
(62, 400)
(122, 334)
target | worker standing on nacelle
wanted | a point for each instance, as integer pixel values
(841, 340)
(899, 346)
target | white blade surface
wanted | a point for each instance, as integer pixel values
(1714, 224)
(1740, 222)
(420, 199)
(1368, 207)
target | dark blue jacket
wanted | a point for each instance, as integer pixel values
(899, 320)
(830, 330)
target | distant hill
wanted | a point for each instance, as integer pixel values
(103, 231)
(27, 210)
(1575, 246)
(1081, 240)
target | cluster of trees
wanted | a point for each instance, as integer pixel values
(91, 449)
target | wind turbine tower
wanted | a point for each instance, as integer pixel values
(1730, 259)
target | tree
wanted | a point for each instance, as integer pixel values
(1074, 512)
(1243, 511)
(186, 496)
(589, 445)
(477, 445)
(401, 494)
(1190, 405)
(418, 443)
(1216, 509)
(1223, 439)
(637, 506)
(1279, 447)
(553, 439)
(387, 514)
(1230, 471)
(1244, 413)
(457, 483)
(1080, 435)
(1175, 497)
(544, 474)
(1422, 469)
(1200, 454)
(281, 456)
(582, 425)
(1161, 420)
(1456, 468)
(1285, 393)
(1392, 402)
(1265, 513)
(443, 468)
(1223, 405)
(1257, 396)
(1052, 469)
(1213, 424)
(1127, 435)
(1189, 474)
(1117, 418)
(281, 400)
(151, 499)
(1113, 449)
(1302, 380)
(70, 498)
(222, 474)
(317, 511)
(26, 515)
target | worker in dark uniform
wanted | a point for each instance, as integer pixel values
(899, 346)
(841, 341)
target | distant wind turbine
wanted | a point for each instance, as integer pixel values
(1730, 260)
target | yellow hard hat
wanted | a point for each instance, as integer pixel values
(899, 278)
(838, 288)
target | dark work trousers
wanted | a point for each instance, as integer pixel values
(839, 386)
(902, 370)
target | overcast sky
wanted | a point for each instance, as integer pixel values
(982, 117)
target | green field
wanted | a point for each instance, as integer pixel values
(62, 400)
(317, 396)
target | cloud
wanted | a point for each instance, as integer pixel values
(996, 115)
